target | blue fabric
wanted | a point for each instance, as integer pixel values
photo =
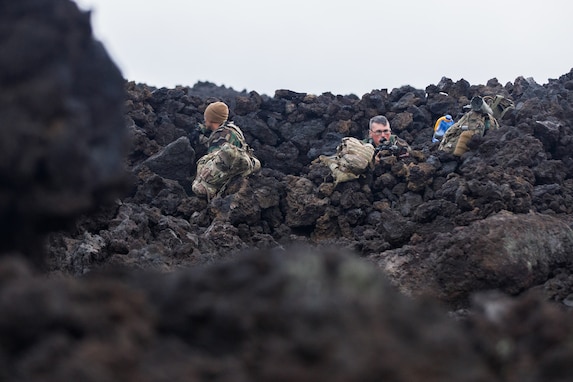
(441, 130)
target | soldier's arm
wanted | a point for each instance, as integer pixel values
(216, 140)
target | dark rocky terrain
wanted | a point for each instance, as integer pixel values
(434, 268)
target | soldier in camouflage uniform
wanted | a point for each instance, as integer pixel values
(381, 137)
(228, 154)
(482, 117)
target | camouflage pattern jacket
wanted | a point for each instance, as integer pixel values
(227, 132)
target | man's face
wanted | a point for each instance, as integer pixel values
(380, 133)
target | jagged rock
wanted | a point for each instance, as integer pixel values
(298, 316)
(63, 136)
(303, 207)
(175, 162)
(505, 252)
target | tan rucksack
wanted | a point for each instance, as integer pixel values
(216, 168)
(352, 158)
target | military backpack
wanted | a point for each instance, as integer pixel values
(352, 158)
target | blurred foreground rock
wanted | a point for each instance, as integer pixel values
(62, 134)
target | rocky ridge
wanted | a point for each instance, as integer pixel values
(429, 269)
(513, 187)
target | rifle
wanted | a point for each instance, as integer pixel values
(388, 150)
(198, 135)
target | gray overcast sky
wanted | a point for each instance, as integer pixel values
(341, 46)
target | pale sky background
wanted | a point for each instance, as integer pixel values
(339, 46)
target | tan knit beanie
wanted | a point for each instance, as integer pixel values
(216, 112)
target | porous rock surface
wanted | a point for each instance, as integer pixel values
(434, 268)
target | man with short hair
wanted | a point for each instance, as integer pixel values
(381, 137)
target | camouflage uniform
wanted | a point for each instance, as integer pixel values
(222, 135)
(228, 155)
